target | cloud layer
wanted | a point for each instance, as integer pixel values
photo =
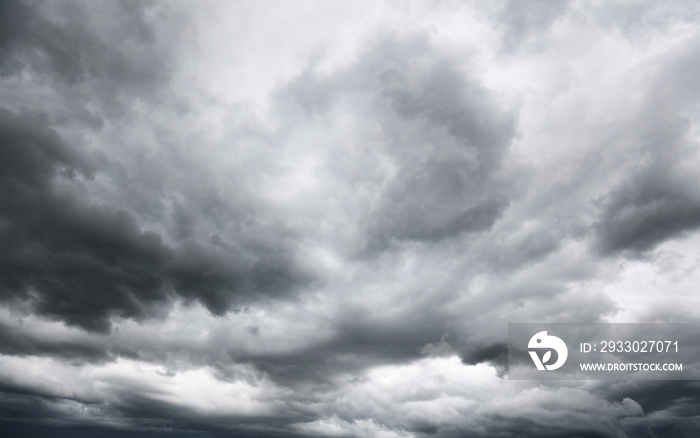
(317, 219)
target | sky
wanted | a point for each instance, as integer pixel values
(317, 218)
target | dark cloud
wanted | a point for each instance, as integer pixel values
(652, 207)
(658, 198)
(446, 185)
(670, 407)
(14, 343)
(64, 40)
(84, 263)
(64, 255)
(496, 354)
(352, 351)
(22, 430)
(24, 411)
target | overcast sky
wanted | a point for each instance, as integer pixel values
(317, 218)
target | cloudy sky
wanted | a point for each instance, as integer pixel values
(317, 218)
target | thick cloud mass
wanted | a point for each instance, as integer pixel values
(82, 262)
(442, 131)
(317, 218)
(654, 206)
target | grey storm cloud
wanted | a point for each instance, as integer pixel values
(655, 206)
(81, 47)
(659, 199)
(80, 261)
(445, 130)
(83, 263)
(317, 219)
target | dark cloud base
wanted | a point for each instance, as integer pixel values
(21, 430)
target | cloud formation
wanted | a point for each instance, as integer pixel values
(317, 219)
(83, 262)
